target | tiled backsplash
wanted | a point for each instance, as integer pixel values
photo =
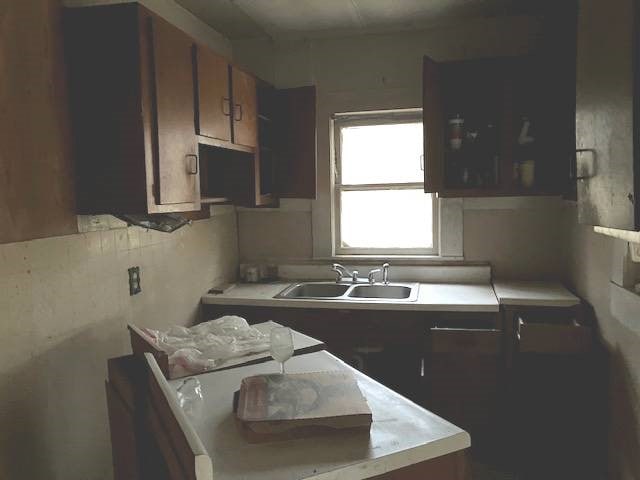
(64, 306)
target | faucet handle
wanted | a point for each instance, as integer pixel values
(385, 273)
(372, 275)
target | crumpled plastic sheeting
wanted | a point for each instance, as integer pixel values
(208, 345)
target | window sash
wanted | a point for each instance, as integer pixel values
(341, 121)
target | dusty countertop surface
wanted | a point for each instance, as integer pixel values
(533, 293)
(431, 297)
(402, 433)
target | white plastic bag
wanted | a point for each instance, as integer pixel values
(209, 344)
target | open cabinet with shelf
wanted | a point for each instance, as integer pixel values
(493, 127)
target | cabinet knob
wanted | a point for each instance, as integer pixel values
(237, 118)
(192, 164)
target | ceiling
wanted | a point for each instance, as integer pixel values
(237, 19)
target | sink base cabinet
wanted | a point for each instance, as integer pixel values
(396, 349)
(387, 346)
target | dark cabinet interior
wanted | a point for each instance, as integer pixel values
(490, 128)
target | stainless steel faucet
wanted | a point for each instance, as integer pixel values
(341, 272)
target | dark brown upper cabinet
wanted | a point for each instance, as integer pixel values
(226, 113)
(607, 121)
(296, 169)
(174, 110)
(164, 125)
(132, 89)
(494, 127)
(244, 111)
(214, 95)
(285, 162)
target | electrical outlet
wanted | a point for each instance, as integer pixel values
(134, 281)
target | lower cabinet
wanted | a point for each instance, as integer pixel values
(555, 420)
(462, 380)
(386, 345)
(454, 373)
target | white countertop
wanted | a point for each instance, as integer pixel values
(402, 433)
(431, 297)
(535, 294)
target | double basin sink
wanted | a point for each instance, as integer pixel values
(392, 292)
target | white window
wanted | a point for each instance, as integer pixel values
(380, 207)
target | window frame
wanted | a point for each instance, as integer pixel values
(381, 117)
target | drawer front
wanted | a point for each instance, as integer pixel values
(553, 339)
(465, 341)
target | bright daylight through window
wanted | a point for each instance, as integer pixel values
(379, 201)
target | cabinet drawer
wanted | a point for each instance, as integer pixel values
(465, 341)
(553, 338)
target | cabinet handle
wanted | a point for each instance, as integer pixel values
(192, 167)
(226, 102)
(236, 118)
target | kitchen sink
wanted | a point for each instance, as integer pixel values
(314, 290)
(393, 292)
(396, 292)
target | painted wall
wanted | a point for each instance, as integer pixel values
(385, 71)
(64, 307)
(64, 301)
(592, 260)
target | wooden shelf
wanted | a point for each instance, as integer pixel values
(214, 142)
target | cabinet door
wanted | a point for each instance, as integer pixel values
(605, 104)
(176, 144)
(433, 124)
(296, 155)
(245, 117)
(214, 99)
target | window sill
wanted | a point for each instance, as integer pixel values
(410, 260)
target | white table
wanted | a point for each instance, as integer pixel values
(402, 433)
